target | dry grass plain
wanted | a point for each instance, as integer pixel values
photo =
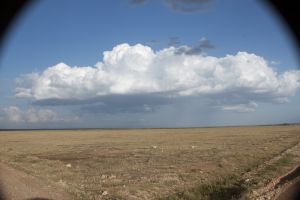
(191, 163)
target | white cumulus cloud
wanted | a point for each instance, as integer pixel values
(30, 115)
(138, 69)
(247, 107)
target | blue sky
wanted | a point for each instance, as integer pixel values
(77, 33)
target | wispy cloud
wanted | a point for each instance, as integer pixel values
(137, 2)
(245, 107)
(203, 45)
(174, 41)
(183, 6)
(31, 115)
(188, 6)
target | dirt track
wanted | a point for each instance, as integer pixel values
(285, 187)
(17, 185)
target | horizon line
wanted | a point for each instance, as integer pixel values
(127, 128)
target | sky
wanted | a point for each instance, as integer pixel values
(148, 63)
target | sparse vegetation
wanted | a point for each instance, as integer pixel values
(169, 164)
(277, 167)
(228, 187)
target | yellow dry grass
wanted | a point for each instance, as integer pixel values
(142, 163)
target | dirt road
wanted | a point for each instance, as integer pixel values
(17, 185)
(285, 187)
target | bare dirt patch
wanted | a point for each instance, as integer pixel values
(17, 185)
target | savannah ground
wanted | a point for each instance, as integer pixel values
(189, 163)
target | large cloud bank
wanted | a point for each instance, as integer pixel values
(131, 70)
